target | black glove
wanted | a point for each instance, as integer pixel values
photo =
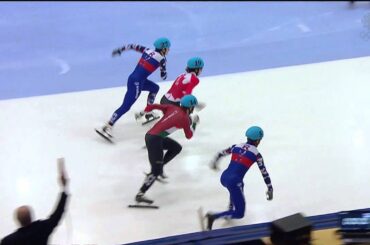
(116, 52)
(269, 194)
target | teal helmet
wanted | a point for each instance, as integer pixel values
(254, 133)
(195, 63)
(162, 43)
(188, 101)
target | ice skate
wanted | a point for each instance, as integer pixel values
(210, 219)
(149, 117)
(145, 118)
(141, 198)
(142, 202)
(106, 132)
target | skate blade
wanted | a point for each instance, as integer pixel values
(201, 218)
(104, 136)
(143, 206)
(151, 120)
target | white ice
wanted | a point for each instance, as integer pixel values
(316, 120)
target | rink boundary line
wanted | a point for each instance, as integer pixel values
(241, 233)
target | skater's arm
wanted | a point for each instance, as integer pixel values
(225, 152)
(188, 132)
(214, 163)
(187, 126)
(135, 47)
(265, 174)
(151, 107)
(163, 69)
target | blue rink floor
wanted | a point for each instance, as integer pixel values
(58, 47)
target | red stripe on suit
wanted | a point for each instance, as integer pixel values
(146, 65)
(243, 160)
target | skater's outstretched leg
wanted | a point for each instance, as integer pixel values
(153, 89)
(132, 94)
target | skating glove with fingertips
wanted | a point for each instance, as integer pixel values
(269, 194)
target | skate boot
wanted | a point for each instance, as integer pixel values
(210, 219)
(149, 117)
(141, 198)
(107, 129)
(106, 132)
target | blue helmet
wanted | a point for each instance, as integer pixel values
(161, 43)
(188, 101)
(254, 133)
(195, 62)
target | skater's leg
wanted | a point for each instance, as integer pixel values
(132, 94)
(237, 199)
(155, 154)
(231, 204)
(152, 88)
(173, 149)
(165, 101)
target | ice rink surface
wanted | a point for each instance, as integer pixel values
(298, 70)
(316, 120)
